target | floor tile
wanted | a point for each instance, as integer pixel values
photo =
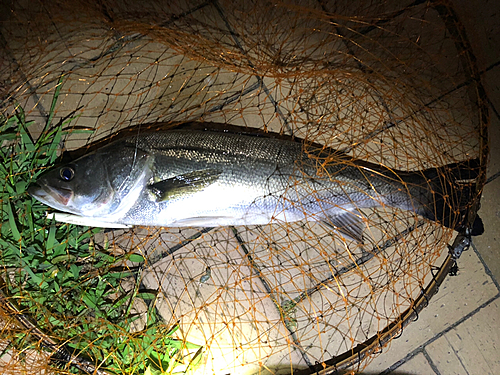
(480, 19)
(487, 244)
(221, 305)
(457, 297)
(472, 347)
(494, 130)
(491, 82)
(418, 365)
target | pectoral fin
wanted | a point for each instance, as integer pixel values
(347, 223)
(184, 184)
(64, 217)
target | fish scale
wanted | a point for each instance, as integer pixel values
(268, 169)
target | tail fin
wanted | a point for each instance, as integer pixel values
(454, 196)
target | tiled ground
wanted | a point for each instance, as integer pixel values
(459, 333)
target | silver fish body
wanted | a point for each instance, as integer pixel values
(181, 178)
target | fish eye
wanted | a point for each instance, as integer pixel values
(67, 173)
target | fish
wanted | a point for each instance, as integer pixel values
(201, 177)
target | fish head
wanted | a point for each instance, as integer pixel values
(96, 184)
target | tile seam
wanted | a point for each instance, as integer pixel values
(431, 362)
(455, 352)
(421, 347)
(486, 268)
(31, 89)
(236, 39)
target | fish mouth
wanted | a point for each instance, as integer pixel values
(47, 194)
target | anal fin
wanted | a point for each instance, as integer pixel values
(347, 223)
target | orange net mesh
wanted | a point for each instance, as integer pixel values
(393, 83)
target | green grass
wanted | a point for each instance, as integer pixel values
(69, 287)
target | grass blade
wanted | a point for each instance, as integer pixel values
(12, 222)
(54, 102)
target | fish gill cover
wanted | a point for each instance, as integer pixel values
(392, 83)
